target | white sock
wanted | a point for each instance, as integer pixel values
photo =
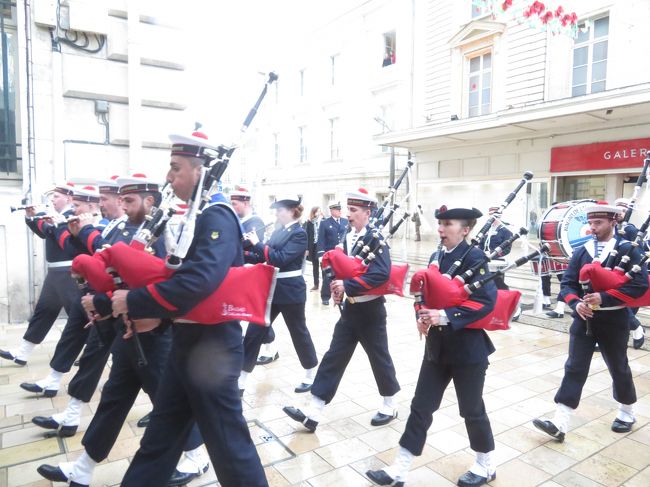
(309, 375)
(400, 467)
(315, 409)
(626, 412)
(243, 376)
(559, 307)
(25, 349)
(546, 300)
(52, 381)
(483, 465)
(80, 471)
(637, 333)
(388, 406)
(562, 416)
(194, 461)
(71, 416)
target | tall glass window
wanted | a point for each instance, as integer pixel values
(9, 148)
(480, 84)
(590, 58)
(335, 152)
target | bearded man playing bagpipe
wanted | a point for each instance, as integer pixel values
(200, 380)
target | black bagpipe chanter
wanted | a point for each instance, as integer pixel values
(434, 290)
(339, 265)
(133, 267)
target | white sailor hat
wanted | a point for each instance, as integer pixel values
(336, 205)
(602, 209)
(287, 201)
(195, 145)
(240, 193)
(63, 188)
(108, 185)
(361, 198)
(624, 202)
(137, 183)
(87, 193)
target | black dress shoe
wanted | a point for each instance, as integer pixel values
(36, 389)
(554, 314)
(549, 428)
(56, 475)
(302, 388)
(380, 419)
(297, 415)
(51, 424)
(470, 479)
(182, 478)
(620, 426)
(143, 422)
(263, 360)
(7, 355)
(636, 342)
(380, 477)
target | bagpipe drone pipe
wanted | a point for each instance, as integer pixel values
(131, 265)
(434, 290)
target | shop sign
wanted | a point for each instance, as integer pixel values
(623, 154)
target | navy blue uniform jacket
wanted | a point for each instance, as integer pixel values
(285, 250)
(215, 249)
(54, 252)
(453, 343)
(330, 234)
(377, 274)
(502, 234)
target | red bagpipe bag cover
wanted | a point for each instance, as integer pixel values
(610, 280)
(440, 292)
(245, 294)
(347, 267)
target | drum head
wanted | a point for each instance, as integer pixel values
(567, 222)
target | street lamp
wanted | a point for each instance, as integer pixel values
(391, 174)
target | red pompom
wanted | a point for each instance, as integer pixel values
(114, 177)
(200, 135)
(70, 184)
(139, 175)
(363, 190)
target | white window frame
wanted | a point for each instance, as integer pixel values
(335, 150)
(589, 44)
(302, 81)
(302, 144)
(333, 68)
(468, 75)
(276, 149)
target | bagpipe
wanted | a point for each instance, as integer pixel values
(336, 264)
(132, 267)
(434, 290)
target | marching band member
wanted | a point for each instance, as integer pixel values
(240, 199)
(86, 203)
(285, 249)
(609, 325)
(363, 320)
(199, 382)
(498, 234)
(452, 353)
(58, 289)
(330, 233)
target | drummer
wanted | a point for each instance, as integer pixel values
(495, 237)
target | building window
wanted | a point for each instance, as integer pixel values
(303, 144)
(335, 152)
(480, 84)
(276, 150)
(9, 148)
(590, 58)
(302, 82)
(477, 10)
(390, 49)
(276, 92)
(333, 61)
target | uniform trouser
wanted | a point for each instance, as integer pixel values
(611, 332)
(122, 388)
(72, 339)
(58, 291)
(363, 323)
(546, 285)
(634, 321)
(93, 359)
(199, 382)
(294, 317)
(325, 293)
(315, 267)
(432, 382)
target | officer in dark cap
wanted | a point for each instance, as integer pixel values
(330, 234)
(452, 353)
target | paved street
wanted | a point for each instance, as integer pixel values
(522, 379)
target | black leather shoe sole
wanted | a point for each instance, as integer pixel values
(52, 473)
(303, 388)
(298, 415)
(143, 422)
(553, 314)
(181, 478)
(620, 426)
(470, 479)
(380, 419)
(638, 343)
(382, 478)
(267, 360)
(47, 423)
(549, 428)
(36, 389)
(7, 355)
